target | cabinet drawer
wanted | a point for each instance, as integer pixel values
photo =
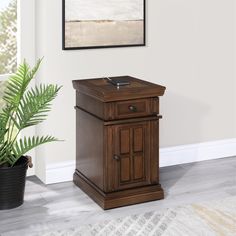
(120, 109)
(136, 108)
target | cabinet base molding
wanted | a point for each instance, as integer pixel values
(119, 198)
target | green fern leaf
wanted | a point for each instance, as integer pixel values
(18, 83)
(5, 154)
(24, 145)
(35, 105)
(23, 108)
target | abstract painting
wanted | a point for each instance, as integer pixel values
(103, 23)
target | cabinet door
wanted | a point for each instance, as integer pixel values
(131, 155)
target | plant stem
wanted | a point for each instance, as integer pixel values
(3, 162)
(15, 137)
(9, 125)
(12, 128)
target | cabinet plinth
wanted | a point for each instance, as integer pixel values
(117, 141)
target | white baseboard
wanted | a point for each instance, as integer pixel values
(197, 152)
(61, 172)
(170, 156)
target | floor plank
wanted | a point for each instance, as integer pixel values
(60, 204)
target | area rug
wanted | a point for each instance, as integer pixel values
(205, 219)
(216, 218)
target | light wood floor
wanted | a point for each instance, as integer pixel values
(58, 204)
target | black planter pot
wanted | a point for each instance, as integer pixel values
(12, 184)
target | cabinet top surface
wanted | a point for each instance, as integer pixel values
(103, 90)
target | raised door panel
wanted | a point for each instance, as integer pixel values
(138, 167)
(138, 153)
(125, 169)
(124, 156)
(124, 141)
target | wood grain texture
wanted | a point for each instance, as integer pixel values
(89, 147)
(132, 108)
(104, 91)
(136, 137)
(114, 148)
(119, 198)
(91, 105)
(117, 110)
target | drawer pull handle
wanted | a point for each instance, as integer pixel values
(116, 157)
(132, 108)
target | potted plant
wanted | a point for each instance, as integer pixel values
(23, 107)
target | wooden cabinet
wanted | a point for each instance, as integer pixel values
(117, 141)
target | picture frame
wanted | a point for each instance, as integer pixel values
(102, 32)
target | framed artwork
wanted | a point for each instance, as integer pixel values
(103, 23)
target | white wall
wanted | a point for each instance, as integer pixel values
(189, 50)
(193, 41)
(234, 60)
(26, 50)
